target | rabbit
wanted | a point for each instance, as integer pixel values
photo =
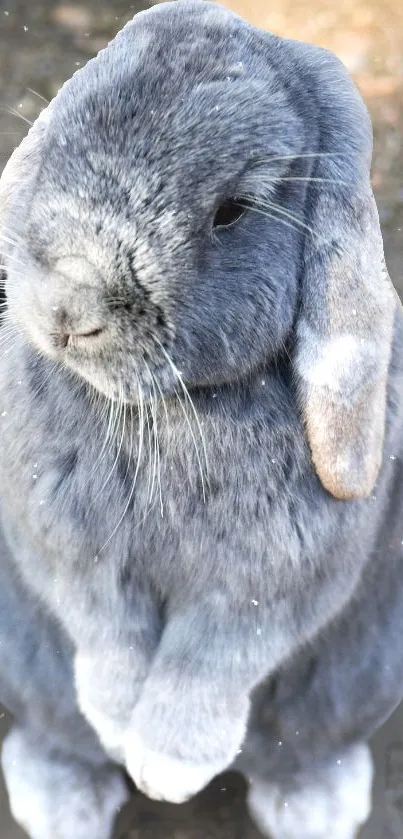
(201, 408)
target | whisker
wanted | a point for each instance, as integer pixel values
(8, 325)
(157, 446)
(150, 451)
(121, 406)
(274, 159)
(311, 180)
(4, 267)
(10, 347)
(141, 425)
(6, 330)
(151, 427)
(39, 95)
(278, 209)
(132, 488)
(158, 386)
(13, 113)
(8, 239)
(108, 410)
(189, 424)
(190, 400)
(151, 431)
(256, 209)
(7, 335)
(45, 380)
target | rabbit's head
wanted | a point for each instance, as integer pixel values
(197, 199)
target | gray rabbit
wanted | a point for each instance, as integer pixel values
(201, 413)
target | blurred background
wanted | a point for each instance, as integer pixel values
(42, 42)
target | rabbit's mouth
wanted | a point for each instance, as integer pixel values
(120, 345)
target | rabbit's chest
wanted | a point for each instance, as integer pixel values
(178, 516)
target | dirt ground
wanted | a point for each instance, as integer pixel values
(42, 42)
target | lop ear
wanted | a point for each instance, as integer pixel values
(345, 324)
(18, 175)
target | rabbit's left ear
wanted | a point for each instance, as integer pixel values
(21, 169)
(345, 325)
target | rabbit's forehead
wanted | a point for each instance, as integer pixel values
(165, 120)
(169, 82)
(180, 133)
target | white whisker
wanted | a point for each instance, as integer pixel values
(119, 411)
(132, 488)
(275, 207)
(158, 386)
(273, 159)
(311, 180)
(39, 95)
(11, 112)
(45, 380)
(256, 209)
(157, 445)
(200, 430)
(109, 409)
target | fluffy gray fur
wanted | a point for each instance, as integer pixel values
(182, 409)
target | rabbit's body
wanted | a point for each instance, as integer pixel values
(331, 694)
(219, 605)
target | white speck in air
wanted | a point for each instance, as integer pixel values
(255, 602)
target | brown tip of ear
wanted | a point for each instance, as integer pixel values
(346, 443)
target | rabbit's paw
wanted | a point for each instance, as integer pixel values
(328, 801)
(166, 778)
(107, 690)
(54, 796)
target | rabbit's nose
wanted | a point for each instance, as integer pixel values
(76, 311)
(71, 327)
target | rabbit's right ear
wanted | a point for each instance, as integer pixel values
(20, 169)
(345, 323)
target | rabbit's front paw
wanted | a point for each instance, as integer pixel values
(173, 749)
(165, 778)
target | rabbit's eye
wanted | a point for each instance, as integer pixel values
(228, 213)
